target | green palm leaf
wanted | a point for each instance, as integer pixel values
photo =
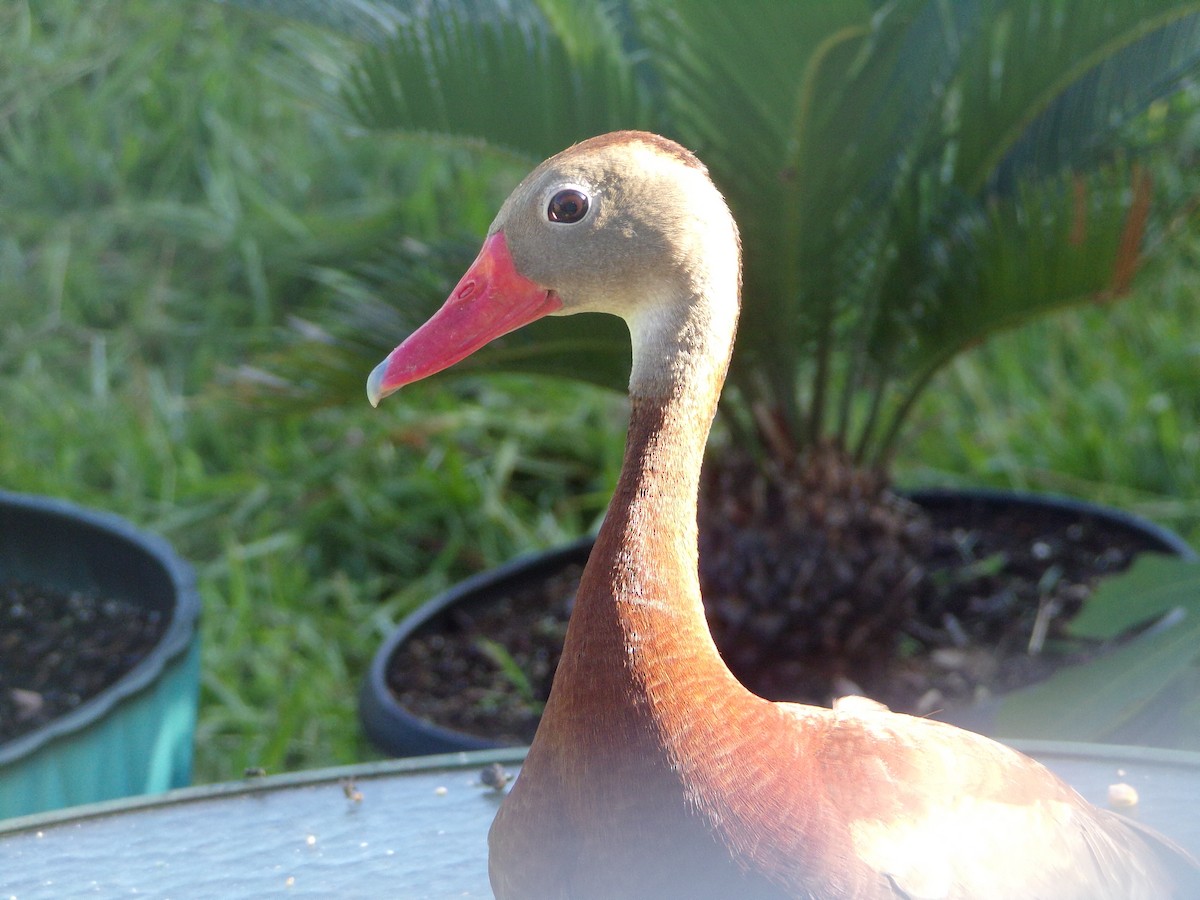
(1022, 219)
(807, 144)
(909, 176)
(500, 78)
(363, 19)
(1045, 248)
(1055, 79)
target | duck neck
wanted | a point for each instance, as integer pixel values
(638, 643)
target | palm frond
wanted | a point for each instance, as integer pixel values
(982, 237)
(368, 20)
(810, 146)
(909, 176)
(733, 97)
(883, 116)
(1050, 246)
(1055, 80)
(496, 75)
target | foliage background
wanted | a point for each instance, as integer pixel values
(177, 184)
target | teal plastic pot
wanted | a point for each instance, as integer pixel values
(135, 737)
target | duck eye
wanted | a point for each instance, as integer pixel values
(567, 206)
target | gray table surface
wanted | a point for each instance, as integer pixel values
(419, 830)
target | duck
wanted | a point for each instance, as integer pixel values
(654, 773)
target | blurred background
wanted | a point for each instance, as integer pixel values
(189, 206)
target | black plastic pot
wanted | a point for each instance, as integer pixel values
(393, 728)
(136, 735)
(1157, 538)
(398, 732)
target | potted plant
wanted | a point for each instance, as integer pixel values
(909, 177)
(100, 681)
(471, 668)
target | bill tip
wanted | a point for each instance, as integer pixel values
(375, 391)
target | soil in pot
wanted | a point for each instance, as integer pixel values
(60, 648)
(988, 611)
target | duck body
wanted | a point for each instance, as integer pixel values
(654, 773)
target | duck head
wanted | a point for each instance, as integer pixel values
(626, 223)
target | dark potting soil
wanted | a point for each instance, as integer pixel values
(60, 648)
(989, 619)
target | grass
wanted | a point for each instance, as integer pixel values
(173, 180)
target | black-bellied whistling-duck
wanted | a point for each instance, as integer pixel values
(654, 773)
